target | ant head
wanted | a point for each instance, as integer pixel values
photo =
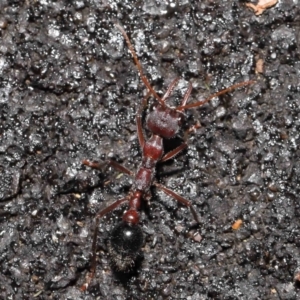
(124, 246)
(164, 121)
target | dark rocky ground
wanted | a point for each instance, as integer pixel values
(70, 91)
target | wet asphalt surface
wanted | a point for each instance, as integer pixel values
(69, 91)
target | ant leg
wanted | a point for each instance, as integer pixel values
(193, 128)
(184, 145)
(229, 89)
(186, 96)
(91, 274)
(138, 64)
(173, 153)
(99, 166)
(180, 200)
(120, 168)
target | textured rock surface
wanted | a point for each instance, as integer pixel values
(69, 91)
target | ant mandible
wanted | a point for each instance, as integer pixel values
(163, 122)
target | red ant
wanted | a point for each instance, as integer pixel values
(164, 123)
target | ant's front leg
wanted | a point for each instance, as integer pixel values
(101, 166)
(173, 153)
(180, 148)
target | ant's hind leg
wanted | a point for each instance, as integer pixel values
(90, 275)
(181, 200)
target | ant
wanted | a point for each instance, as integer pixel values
(163, 122)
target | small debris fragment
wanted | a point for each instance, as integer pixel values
(297, 276)
(197, 237)
(179, 228)
(261, 6)
(237, 224)
(3, 23)
(259, 67)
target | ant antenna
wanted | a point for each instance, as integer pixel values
(229, 89)
(138, 64)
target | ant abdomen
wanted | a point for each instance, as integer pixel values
(124, 246)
